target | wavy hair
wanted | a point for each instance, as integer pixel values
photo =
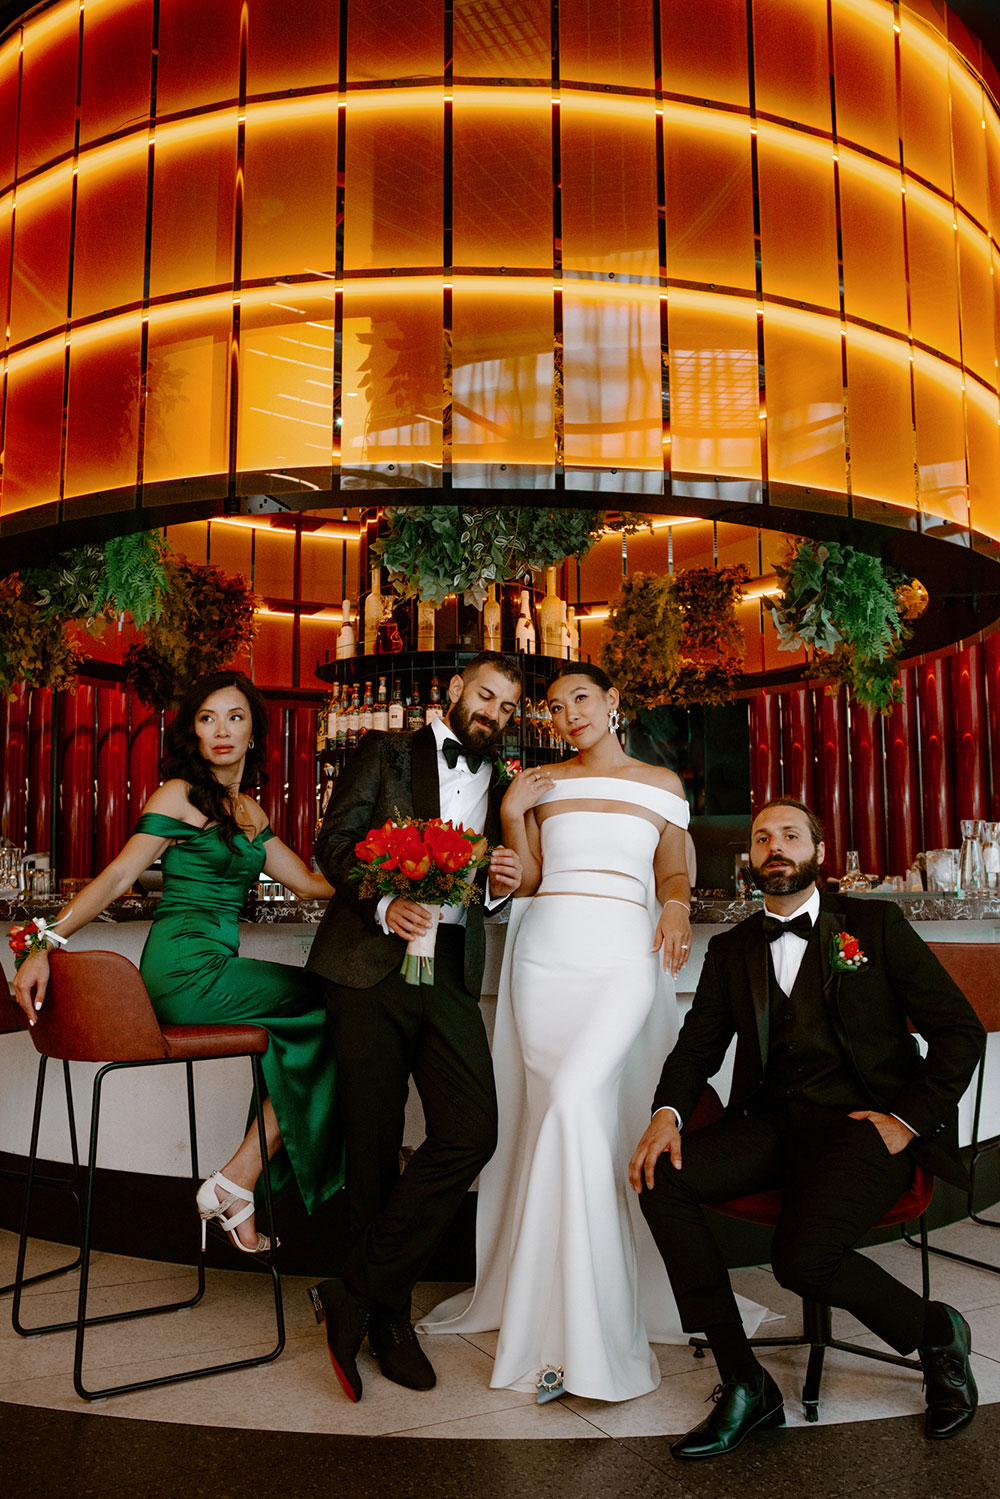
(184, 760)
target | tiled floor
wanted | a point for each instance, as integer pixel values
(298, 1393)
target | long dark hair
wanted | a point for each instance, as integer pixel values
(184, 759)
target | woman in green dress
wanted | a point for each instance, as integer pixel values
(214, 840)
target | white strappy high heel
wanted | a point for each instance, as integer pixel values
(211, 1210)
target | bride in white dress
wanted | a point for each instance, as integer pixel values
(567, 1269)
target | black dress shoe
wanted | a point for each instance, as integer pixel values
(740, 1409)
(400, 1356)
(346, 1324)
(951, 1391)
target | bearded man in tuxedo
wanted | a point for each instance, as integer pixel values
(832, 1102)
(386, 1030)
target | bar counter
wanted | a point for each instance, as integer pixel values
(145, 1127)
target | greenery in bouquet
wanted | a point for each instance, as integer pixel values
(431, 551)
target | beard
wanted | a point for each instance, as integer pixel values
(481, 734)
(786, 881)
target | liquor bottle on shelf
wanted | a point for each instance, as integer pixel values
(414, 712)
(388, 641)
(546, 735)
(573, 631)
(333, 713)
(524, 634)
(366, 720)
(435, 707)
(342, 716)
(346, 641)
(425, 625)
(353, 716)
(373, 612)
(529, 722)
(397, 712)
(380, 718)
(491, 620)
(551, 616)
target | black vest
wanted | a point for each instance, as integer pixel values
(806, 1062)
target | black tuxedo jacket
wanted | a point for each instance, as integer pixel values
(389, 774)
(902, 984)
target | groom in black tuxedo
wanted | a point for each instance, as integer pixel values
(386, 1030)
(831, 1101)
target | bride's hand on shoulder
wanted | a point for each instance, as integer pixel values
(525, 791)
(673, 936)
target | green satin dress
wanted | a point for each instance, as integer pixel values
(195, 976)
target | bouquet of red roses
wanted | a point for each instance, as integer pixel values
(429, 861)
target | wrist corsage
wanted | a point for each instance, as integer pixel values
(845, 953)
(33, 936)
(505, 771)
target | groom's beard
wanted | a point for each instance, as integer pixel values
(784, 880)
(481, 734)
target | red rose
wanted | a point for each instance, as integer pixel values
(409, 853)
(450, 849)
(849, 946)
(375, 845)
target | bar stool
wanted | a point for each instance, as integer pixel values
(12, 1020)
(764, 1209)
(97, 1010)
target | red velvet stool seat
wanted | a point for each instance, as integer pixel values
(764, 1209)
(97, 1010)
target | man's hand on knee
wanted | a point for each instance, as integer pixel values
(661, 1138)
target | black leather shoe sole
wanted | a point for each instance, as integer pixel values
(345, 1329)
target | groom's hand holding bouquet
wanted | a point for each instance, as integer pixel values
(429, 863)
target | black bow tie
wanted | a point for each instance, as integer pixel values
(451, 749)
(799, 926)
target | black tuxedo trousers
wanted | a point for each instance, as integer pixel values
(382, 1035)
(837, 1180)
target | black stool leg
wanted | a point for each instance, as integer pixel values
(68, 1184)
(817, 1331)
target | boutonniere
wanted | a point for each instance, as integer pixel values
(845, 953)
(505, 771)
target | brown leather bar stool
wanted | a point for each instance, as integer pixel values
(975, 967)
(97, 1010)
(764, 1209)
(12, 1020)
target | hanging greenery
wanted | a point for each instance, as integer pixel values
(641, 652)
(431, 551)
(135, 578)
(206, 621)
(34, 650)
(842, 606)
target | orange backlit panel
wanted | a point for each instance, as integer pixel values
(940, 420)
(714, 396)
(606, 44)
(286, 385)
(609, 186)
(274, 563)
(612, 379)
(116, 70)
(40, 288)
(502, 195)
(199, 54)
(393, 375)
(512, 41)
(718, 72)
(976, 285)
(502, 376)
(187, 404)
(709, 195)
(102, 429)
(10, 65)
(880, 416)
(194, 195)
(33, 430)
(109, 257)
(322, 566)
(272, 651)
(798, 221)
(389, 39)
(968, 111)
(805, 399)
(6, 231)
(47, 119)
(871, 220)
(292, 45)
(930, 237)
(394, 201)
(925, 132)
(982, 414)
(992, 136)
(290, 216)
(792, 61)
(864, 74)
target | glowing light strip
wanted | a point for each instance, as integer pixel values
(330, 530)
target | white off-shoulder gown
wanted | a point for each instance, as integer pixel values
(566, 1267)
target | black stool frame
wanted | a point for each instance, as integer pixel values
(68, 1184)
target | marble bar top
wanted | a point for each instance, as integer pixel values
(707, 909)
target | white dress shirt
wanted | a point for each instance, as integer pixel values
(464, 799)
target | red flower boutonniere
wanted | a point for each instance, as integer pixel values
(845, 954)
(506, 770)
